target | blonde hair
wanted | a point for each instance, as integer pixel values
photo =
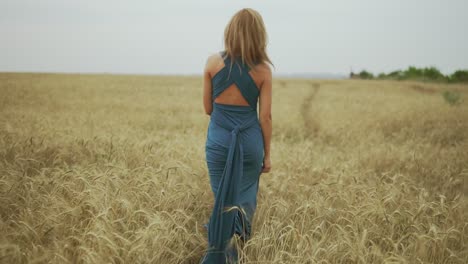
(245, 37)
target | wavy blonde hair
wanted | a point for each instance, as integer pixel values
(245, 37)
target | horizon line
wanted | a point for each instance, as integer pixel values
(295, 75)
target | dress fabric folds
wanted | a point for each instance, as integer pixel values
(234, 156)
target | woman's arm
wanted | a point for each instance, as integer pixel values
(265, 117)
(207, 89)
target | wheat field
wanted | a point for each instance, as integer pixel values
(111, 169)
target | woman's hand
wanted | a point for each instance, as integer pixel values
(266, 165)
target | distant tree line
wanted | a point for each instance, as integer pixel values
(417, 74)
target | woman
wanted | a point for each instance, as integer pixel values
(238, 139)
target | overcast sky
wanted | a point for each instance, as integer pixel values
(175, 37)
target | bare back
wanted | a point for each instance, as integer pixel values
(232, 94)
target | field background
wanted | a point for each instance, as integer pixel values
(111, 169)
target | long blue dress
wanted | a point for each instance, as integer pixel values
(234, 156)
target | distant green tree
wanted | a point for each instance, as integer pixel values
(459, 76)
(412, 73)
(395, 75)
(423, 74)
(366, 75)
(419, 74)
(382, 76)
(433, 74)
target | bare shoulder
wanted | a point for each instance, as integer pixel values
(264, 70)
(214, 57)
(212, 62)
(264, 73)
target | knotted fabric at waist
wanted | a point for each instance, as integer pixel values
(229, 116)
(238, 128)
(222, 222)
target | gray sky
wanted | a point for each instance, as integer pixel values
(175, 37)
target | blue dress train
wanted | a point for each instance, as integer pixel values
(234, 156)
